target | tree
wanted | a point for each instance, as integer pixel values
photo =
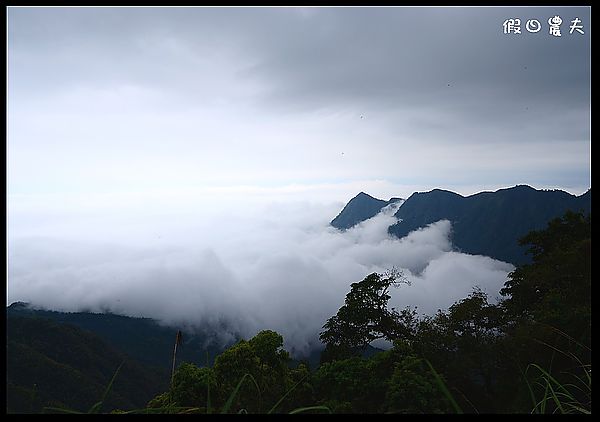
(555, 289)
(263, 358)
(463, 344)
(548, 302)
(365, 317)
(394, 380)
(260, 362)
(412, 389)
(190, 385)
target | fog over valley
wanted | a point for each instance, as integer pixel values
(238, 266)
(184, 164)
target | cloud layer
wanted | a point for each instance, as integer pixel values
(102, 98)
(245, 267)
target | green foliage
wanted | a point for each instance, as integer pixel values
(57, 365)
(302, 382)
(442, 386)
(96, 408)
(232, 366)
(548, 305)
(365, 317)
(268, 347)
(342, 383)
(262, 357)
(142, 339)
(413, 390)
(311, 409)
(191, 384)
(160, 401)
(562, 397)
(466, 345)
(528, 354)
(394, 381)
(555, 288)
(235, 392)
(250, 377)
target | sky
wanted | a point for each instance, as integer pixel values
(390, 100)
(154, 152)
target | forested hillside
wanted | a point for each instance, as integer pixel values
(52, 364)
(529, 353)
(489, 223)
(143, 339)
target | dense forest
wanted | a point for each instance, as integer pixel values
(49, 364)
(528, 353)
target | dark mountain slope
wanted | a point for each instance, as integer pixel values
(52, 364)
(489, 223)
(360, 208)
(142, 339)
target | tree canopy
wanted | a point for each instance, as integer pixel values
(555, 289)
(365, 316)
(530, 352)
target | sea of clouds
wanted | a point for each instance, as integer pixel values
(240, 265)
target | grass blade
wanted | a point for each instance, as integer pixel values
(579, 409)
(162, 410)
(443, 388)
(306, 409)
(549, 377)
(236, 390)
(531, 393)
(98, 406)
(286, 394)
(62, 410)
(555, 398)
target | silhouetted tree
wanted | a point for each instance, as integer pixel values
(365, 317)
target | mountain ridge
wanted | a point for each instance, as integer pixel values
(143, 339)
(485, 223)
(362, 207)
(53, 364)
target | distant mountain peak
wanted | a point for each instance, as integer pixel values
(362, 207)
(522, 186)
(443, 192)
(19, 306)
(365, 195)
(485, 223)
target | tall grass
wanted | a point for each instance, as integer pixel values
(561, 396)
(233, 395)
(227, 407)
(567, 397)
(442, 386)
(97, 407)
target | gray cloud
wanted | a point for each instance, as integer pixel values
(278, 267)
(137, 135)
(382, 57)
(240, 84)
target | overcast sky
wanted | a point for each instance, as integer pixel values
(385, 100)
(184, 163)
